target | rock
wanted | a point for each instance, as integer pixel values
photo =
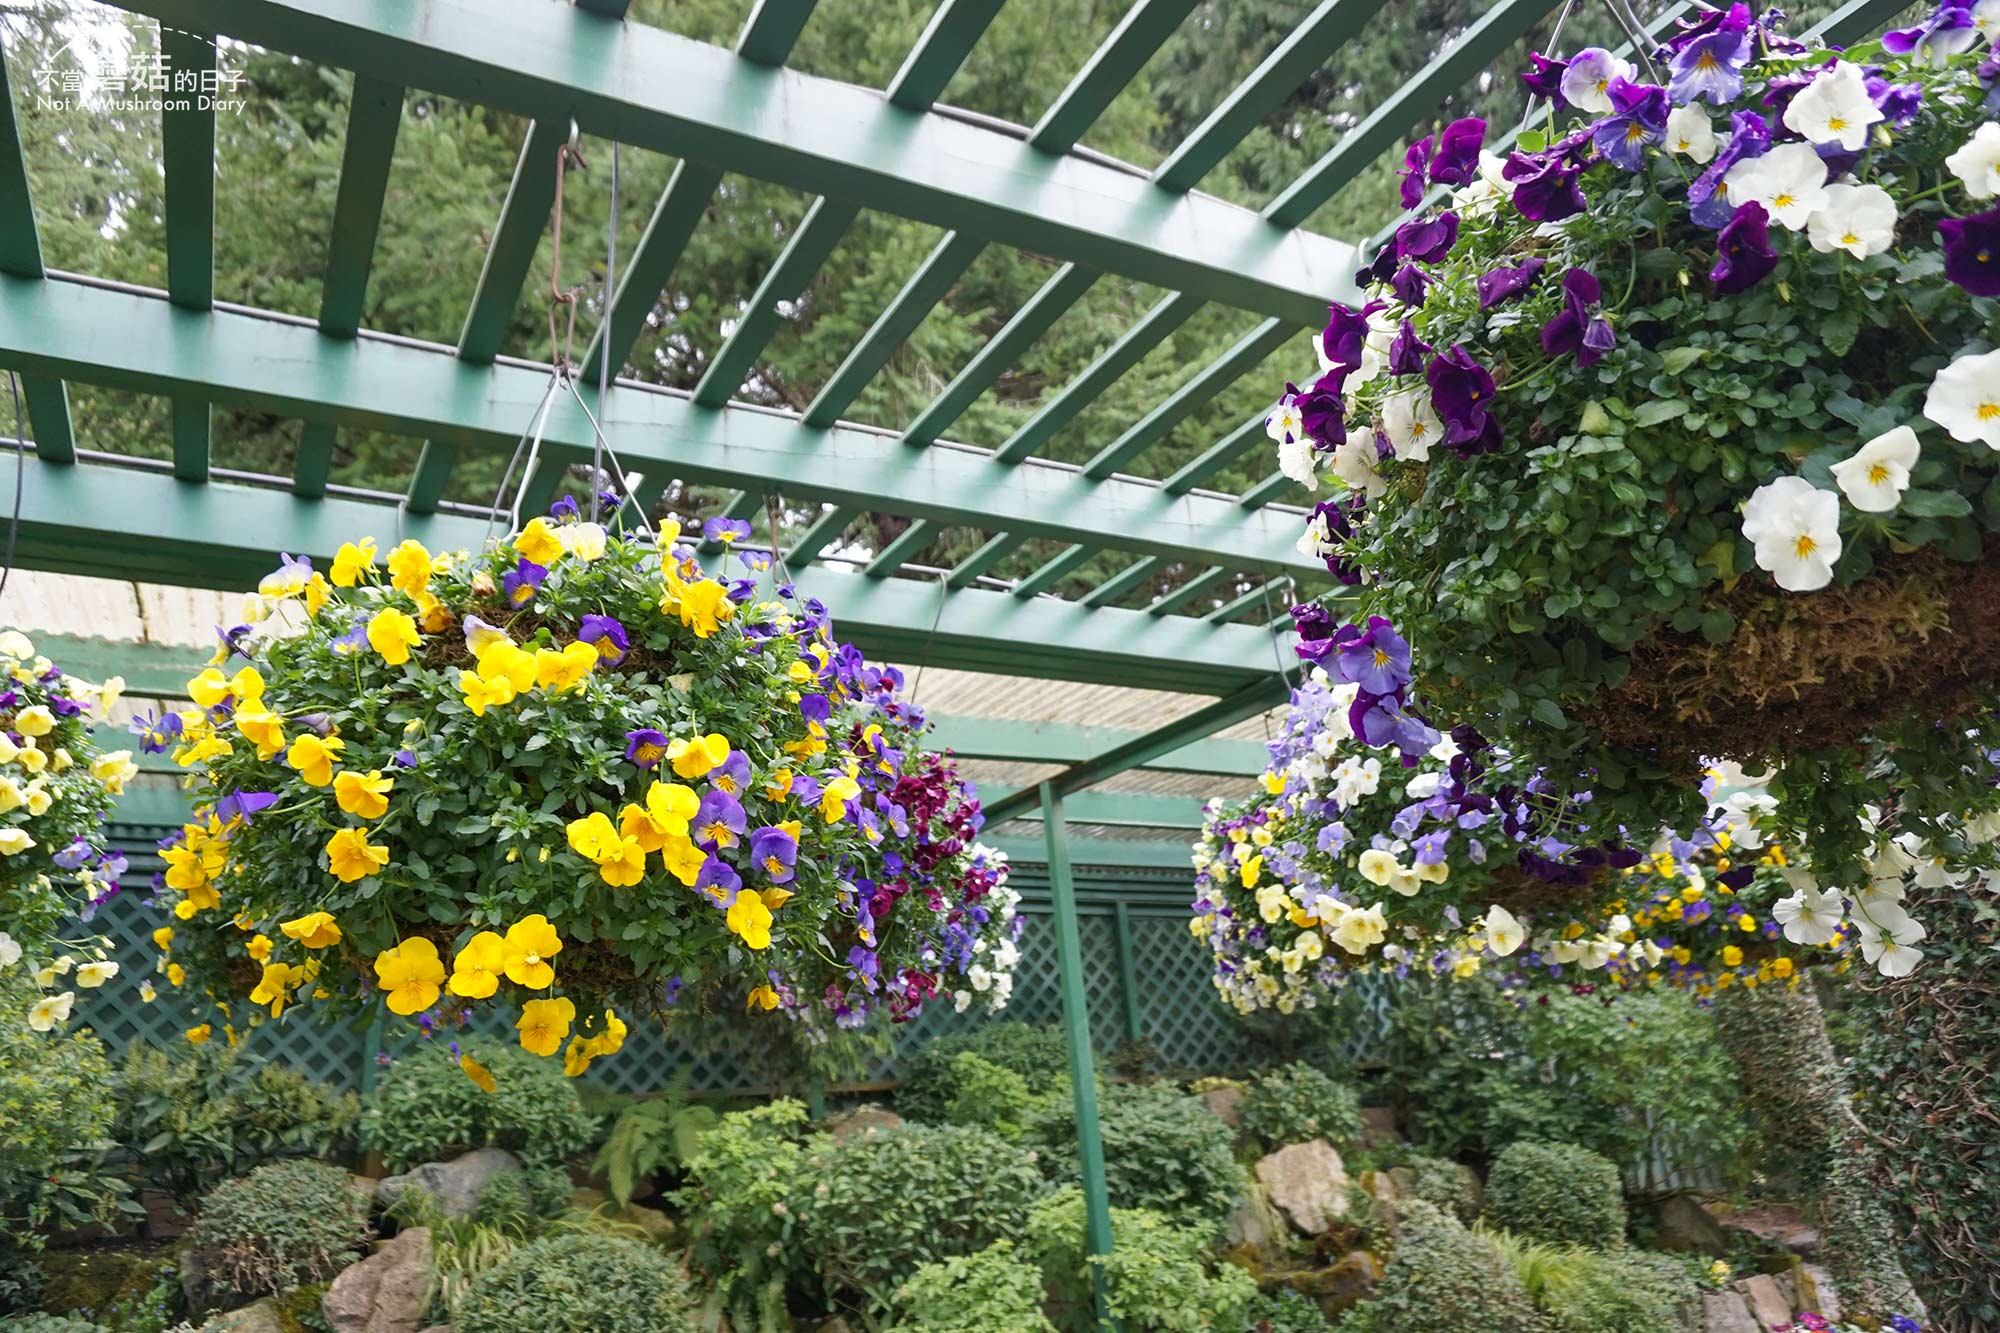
(861, 1122)
(1475, 1188)
(1402, 1181)
(96, 1279)
(456, 1183)
(1340, 1285)
(436, 1328)
(1307, 1182)
(1686, 1226)
(1725, 1312)
(259, 1317)
(1253, 1222)
(1816, 1292)
(837, 1324)
(1766, 1301)
(164, 1218)
(384, 1293)
(1225, 1104)
(1379, 1128)
(659, 1228)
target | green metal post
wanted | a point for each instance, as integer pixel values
(1128, 976)
(1076, 1027)
(371, 1048)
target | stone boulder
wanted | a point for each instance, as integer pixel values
(1685, 1225)
(385, 1292)
(260, 1317)
(1338, 1286)
(456, 1184)
(861, 1122)
(1379, 1128)
(1307, 1183)
(1766, 1300)
(1726, 1312)
(1816, 1292)
(1225, 1104)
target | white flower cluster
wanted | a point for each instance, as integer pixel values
(990, 979)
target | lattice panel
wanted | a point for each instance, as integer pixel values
(1178, 1010)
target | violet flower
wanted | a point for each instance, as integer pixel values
(1710, 65)
(1322, 411)
(1504, 284)
(607, 635)
(1743, 253)
(519, 584)
(1347, 333)
(1544, 79)
(1563, 334)
(1411, 285)
(1708, 202)
(1407, 351)
(1972, 251)
(1415, 159)
(1899, 102)
(1426, 240)
(1638, 119)
(1456, 160)
(1462, 394)
(1378, 659)
(1949, 30)
(1545, 188)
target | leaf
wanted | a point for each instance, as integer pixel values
(1838, 331)
(1678, 359)
(1550, 712)
(1935, 504)
(1717, 624)
(1658, 410)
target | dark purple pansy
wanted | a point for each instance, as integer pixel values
(1407, 351)
(1504, 284)
(1347, 332)
(1379, 269)
(1708, 202)
(607, 635)
(1322, 411)
(1743, 253)
(1456, 160)
(1563, 334)
(565, 508)
(1462, 395)
(1989, 78)
(1638, 119)
(1414, 159)
(1972, 252)
(1544, 79)
(1427, 240)
(1545, 188)
(1710, 65)
(519, 584)
(1410, 285)
(1949, 30)
(1898, 102)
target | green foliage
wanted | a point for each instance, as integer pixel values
(1162, 1151)
(739, 1179)
(425, 1109)
(1286, 1311)
(48, 1323)
(988, 1095)
(203, 1112)
(652, 1135)
(1300, 1102)
(973, 1293)
(125, 1288)
(1443, 1279)
(1038, 1054)
(873, 1210)
(54, 1119)
(1583, 1290)
(284, 1224)
(1445, 1185)
(1557, 1192)
(1159, 1276)
(578, 1284)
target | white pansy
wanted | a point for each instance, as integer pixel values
(1835, 108)
(1503, 930)
(1599, 952)
(1354, 779)
(1888, 943)
(1739, 814)
(92, 975)
(1965, 399)
(1588, 79)
(1286, 422)
(1298, 460)
(1875, 477)
(1789, 181)
(1690, 133)
(1860, 219)
(1808, 916)
(1795, 527)
(585, 541)
(1376, 866)
(1316, 542)
(10, 950)
(51, 1010)
(1411, 424)
(1361, 928)
(1978, 162)
(1422, 787)
(961, 1001)
(1356, 463)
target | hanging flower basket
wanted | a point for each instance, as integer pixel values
(1676, 434)
(575, 776)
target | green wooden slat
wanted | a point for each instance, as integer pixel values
(524, 219)
(610, 9)
(990, 552)
(187, 158)
(822, 228)
(1248, 353)
(433, 474)
(46, 400)
(1458, 66)
(1169, 602)
(1267, 490)
(1216, 457)
(135, 341)
(1124, 581)
(1002, 350)
(1110, 69)
(190, 423)
(1302, 52)
(824, 532)
(900, 551)
(772, 30)
(1123, 853)
(111, 521)
(671, 94)
(1242, 602)
(948, 39)
(1060, 567)
(1130, 348)
(1072, 743)
(1855, 20)
(926, 287)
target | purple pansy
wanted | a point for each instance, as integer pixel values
(519, 584)
(1949, 30)
(565, 509)
(607, 635)
(732, 774)
(1544, 79)
(1407, 351)
(775, 851)
(72, 856)
(726, 530)
(1638, 119)
(1710, 65)
(1322, 411)
(1462, 395)
(1972, 252)
(1456, 160)
(1898, 102)
(1743, 253)
(645, 747)
(1708, 202)
(718, 823)
(1545, 188)
(243, 804)
(719, 880)
(1378, 660)
(1411, 285)
(1347, 333)
(1578, 328)
(1426, 240)
(1415, 159)
(1504, 284)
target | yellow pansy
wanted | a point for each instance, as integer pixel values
(694, 757)
(392, 634)
(410, 974)
(363, 794)
(626, 866)
(317, 593)
(750, 919)
(484, 692)
(275, 988)
(263, 729)
(1731, 955)
(314, 930)
(593, 836)
(509, 661)
(481, 1076)
(538, 543)
(350, 856)
(476, 971)
(683, 859)
(313, 755)
(163, 938)
(669, 806)
(835, 795)
(351, 561)
(565, 670)
(544, 1023)
(1251, 870)
(531, 942)
(703, 606)
(259, 947)
(762, 998)
(176, 974)
(199, 1033)
(410, 567)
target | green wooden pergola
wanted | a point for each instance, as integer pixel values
(582, 67)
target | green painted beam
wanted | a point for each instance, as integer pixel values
(187, 160)
(955, 26)
(1855, 20)
(1125, 352)
(524, 220)
(156, 670)
(990, 552)
(1076, 1031)
(1267, 490)
(110, 521)
(374, 116)
(772, 30)
(1071, 743)
(610, 9)
(1169, 602)
(822, 228)
(1265, 693)
(1302, 52)
(926, 287)
(1054, 571)
(133, 341)
(902, 549)
(1249, 352)
(1457, 66)
(671, 94)
(1236, 606)
(1216, 457)
(1116, 809)
(1119, 853)
(47, 400)
(1109, 71)
(824, 532)
(1124, 581)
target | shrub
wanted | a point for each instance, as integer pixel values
(1299, 1102)
(1445, 1279)
(425, 1109)
(53, 1120)
(651, 1135)
(989, 1096)
(1159, 1276)
(1038, 1054)
(973, 1293)
(514, 1209)
(1445, 1184)
(1162, 1151)
(875, 1209)
(283, 1225)
(1582, 1290)
(49, 1323)
(738, 1181)
(1557, 1192)
(204, 1113)
(578, 1284)
(1287, 1311)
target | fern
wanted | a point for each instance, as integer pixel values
(651, 1135)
